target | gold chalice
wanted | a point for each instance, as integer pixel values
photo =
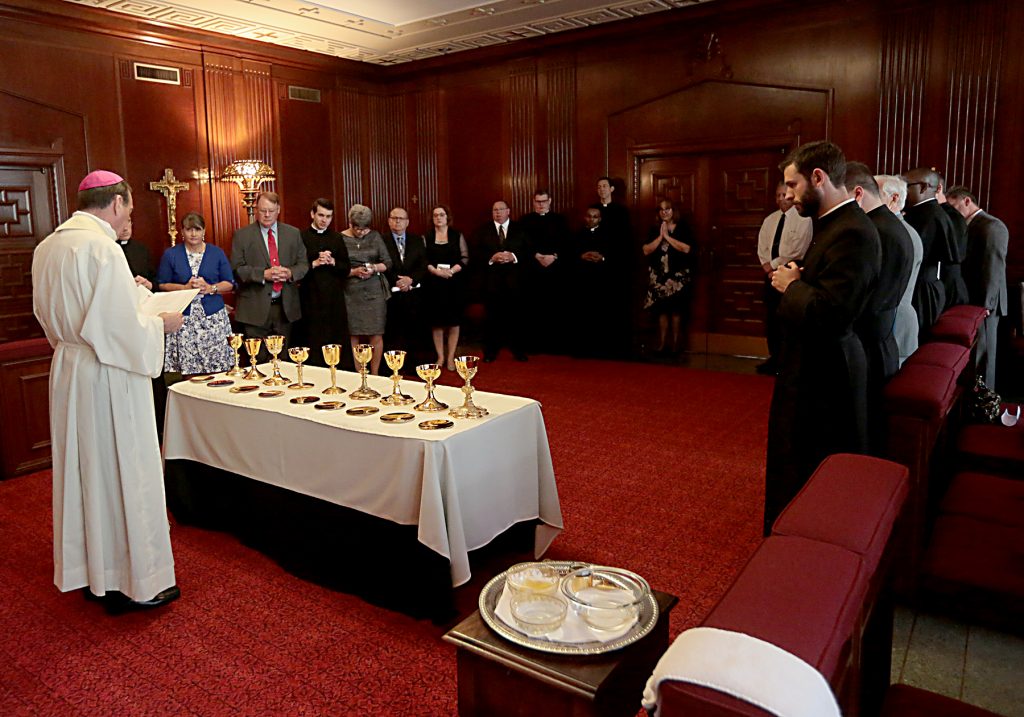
(362, 353)
(332, 355)
(467, 367)
(395, 360)
(429, 372)
(274, 346)
(235, 341)
(252, 347)
(298, 354)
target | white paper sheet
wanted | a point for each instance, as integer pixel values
(165, 301)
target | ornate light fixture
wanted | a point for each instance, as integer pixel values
(249, 175)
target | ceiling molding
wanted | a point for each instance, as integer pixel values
(436, 29)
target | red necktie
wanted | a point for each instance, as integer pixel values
(274, 260)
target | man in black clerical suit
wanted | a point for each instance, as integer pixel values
(988, 240)
(405, 328)
(592, 300)
(818, 405)
(545, 274)
(952, 281)
(876, 324)
(617, 226)
(322, 291)
(501, 245)
(938, 238)
(137, 254)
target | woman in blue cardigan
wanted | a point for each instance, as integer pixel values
(201, 345)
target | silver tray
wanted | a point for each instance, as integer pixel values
(489, 596)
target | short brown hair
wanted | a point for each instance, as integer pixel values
(193, 220)
(272, 197)
(823, 155)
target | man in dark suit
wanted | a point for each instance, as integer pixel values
(984, 273)
(322, 292)
(545, 274)
(818, 405)
(593, 301)
(876, 324)
(625, 256)
(952, 281)
(139, 261)
(501, 245)
(269, 259)
(405, 328)
(938, 238)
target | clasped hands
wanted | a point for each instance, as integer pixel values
(594, 256)
(545, 260)
(277, 273)
(503, 257)
(325, 259)
(198, 282)
(785, 275)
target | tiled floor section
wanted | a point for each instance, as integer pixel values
(969, 663)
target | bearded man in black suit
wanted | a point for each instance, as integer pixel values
(818, 406)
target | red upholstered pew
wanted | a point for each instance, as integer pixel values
(817, 588)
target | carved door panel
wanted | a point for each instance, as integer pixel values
(725, 196)
(742, 194)
(28, 211)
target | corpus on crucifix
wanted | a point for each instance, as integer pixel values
(169, 186)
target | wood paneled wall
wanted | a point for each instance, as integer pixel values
(904, 83)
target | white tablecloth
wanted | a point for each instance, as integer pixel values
(461, 486)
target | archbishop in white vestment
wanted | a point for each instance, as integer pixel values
(110, 525)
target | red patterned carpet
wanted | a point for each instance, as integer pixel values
(659, 470)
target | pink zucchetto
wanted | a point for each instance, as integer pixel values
(99, 178)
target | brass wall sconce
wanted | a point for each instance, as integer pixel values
(249, 175)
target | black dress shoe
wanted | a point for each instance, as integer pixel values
(489, 359)
(767, 368)
(521, 357)
(117, 603)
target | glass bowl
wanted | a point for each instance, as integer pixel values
(537, 578)
(606, 599)
(537, 613)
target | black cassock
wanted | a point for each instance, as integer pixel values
(818, 407)
(322, 292)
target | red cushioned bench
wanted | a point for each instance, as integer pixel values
(974, 566)
(993, 448)
(940, 353)
(917, 402)
(907, 701)
(816, 588)
(958, 325)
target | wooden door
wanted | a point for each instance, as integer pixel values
(725, 195)
(28, 213)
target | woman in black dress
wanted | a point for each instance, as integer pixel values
(447, 257)
(669, 252)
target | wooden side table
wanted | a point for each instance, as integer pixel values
(500, 679)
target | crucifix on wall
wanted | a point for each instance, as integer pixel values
(169, 186)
